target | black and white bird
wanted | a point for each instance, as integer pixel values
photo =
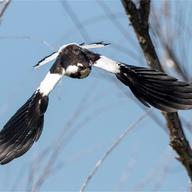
(150, 86)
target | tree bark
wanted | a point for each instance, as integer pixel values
(139, 18)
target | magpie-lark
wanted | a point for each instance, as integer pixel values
(150, 86)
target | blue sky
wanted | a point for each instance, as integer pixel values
(86, 115)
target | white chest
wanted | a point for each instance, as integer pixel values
(71, 69)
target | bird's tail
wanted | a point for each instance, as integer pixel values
(156, 88)
(23, 129)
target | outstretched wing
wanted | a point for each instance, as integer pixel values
(156, 88)
(94, 45)
(46, 59)
(23, 129)
(25, 126)
(150, 86)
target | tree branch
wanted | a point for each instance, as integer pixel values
(139, 18)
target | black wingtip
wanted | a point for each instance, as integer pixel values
(102, 43)
(40, 63)
(97, 43)
(36, 66)
(82, 43)
(23, 129)
(156, 88)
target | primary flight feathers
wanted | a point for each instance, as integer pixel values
(150, 86)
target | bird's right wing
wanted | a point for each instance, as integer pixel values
(23, 129)
(150, 86)
(25, 126)
(47, 59)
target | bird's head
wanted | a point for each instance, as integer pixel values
(76, 60)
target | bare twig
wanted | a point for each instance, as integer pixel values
(168, 49)
(139, 20)
(157, 171)
(111, 148)
(141, 26)
(32, 38)
(58, 145)
(75, 19)
(4, 6)
(113, 18)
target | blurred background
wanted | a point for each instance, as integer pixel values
(85, 117)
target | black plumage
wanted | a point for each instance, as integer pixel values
(23, 129)
(150, 86)
(156, 88)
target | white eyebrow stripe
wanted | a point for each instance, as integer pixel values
(92, 46)
(49, 82)
(107, 64)
(47, 59)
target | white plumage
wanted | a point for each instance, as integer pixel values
(49, 82)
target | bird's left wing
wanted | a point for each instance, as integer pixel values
(150, 86)
(95, 45)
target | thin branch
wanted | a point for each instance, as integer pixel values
(27, 37)
(139, 21)
(167, 47)
(111, 148)
(4, 6)
(114, 19)
(156, 171)
(66, 6)
(141, 28)
(58, 145)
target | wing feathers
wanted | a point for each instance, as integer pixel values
(23, 129)
(156, 88)
(47, 59)
(94, 45)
